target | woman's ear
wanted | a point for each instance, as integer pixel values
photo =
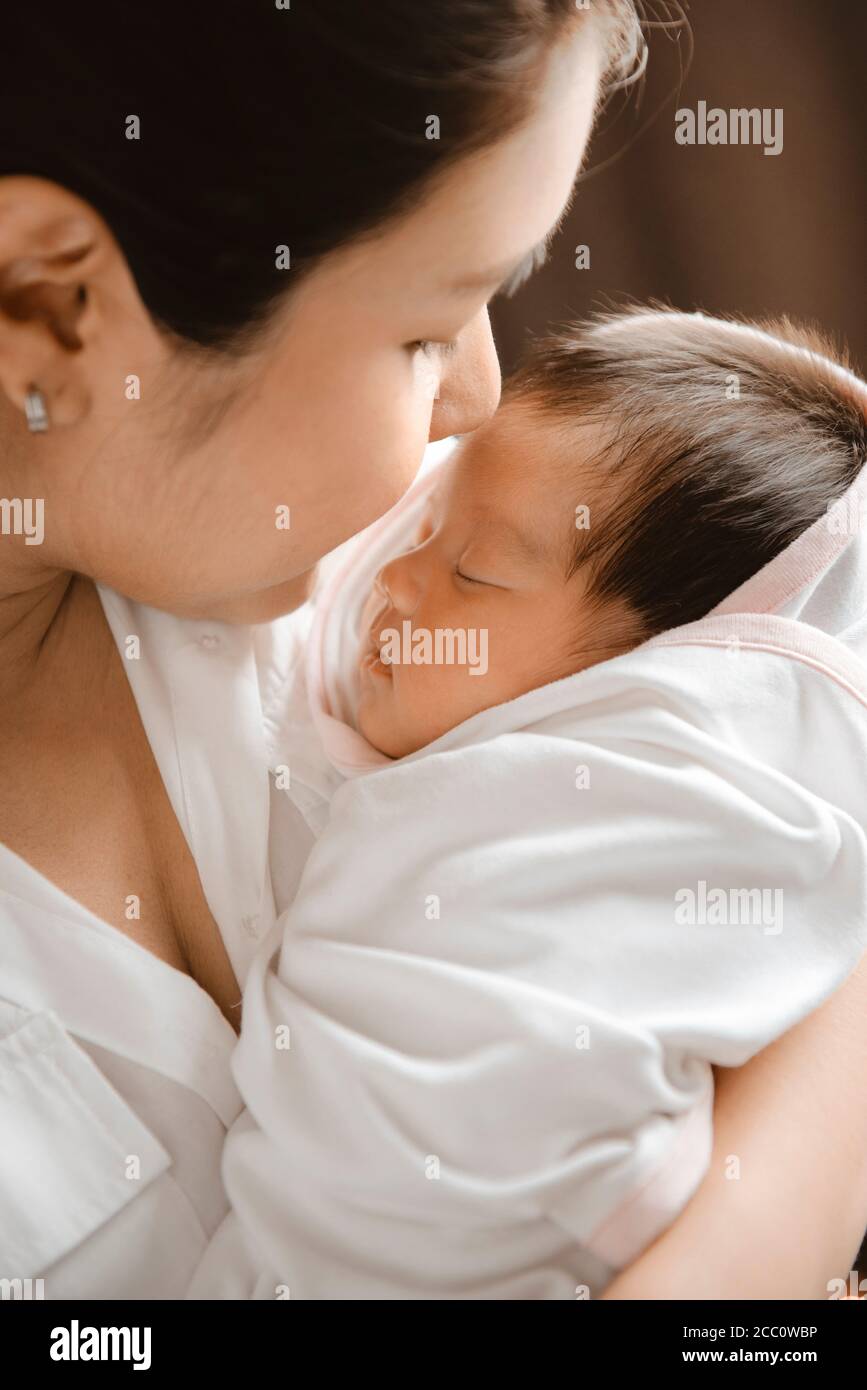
(55, 254)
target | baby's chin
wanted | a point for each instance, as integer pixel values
(378, 724)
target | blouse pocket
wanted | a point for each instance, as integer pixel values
(72, 1151)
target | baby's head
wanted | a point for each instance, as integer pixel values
(641, 467)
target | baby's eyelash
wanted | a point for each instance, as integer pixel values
(467, 577)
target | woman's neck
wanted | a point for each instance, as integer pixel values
(34, 586)
(49, 629)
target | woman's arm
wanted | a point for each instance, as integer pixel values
(796, 1118)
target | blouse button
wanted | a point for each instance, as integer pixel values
(209, 641)
(250, 924)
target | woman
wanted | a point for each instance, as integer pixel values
(245, 258)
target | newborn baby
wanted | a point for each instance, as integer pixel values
(586, 816)
(641, 467)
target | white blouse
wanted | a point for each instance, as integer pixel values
(115, 1086)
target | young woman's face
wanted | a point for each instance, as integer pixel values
(181, 498)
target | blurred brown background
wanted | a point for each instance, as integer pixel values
(726, 228)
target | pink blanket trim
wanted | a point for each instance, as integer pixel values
(652, 1206)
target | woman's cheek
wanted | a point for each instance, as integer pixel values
(424, 394)
(427, 376)
(359, 420)
(386, 448)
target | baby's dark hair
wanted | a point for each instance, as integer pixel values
(723, 441)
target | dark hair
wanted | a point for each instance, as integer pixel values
(260, 127)
(720, 447)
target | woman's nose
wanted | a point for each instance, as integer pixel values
(470, 382)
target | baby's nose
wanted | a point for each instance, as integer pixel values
(399, 582)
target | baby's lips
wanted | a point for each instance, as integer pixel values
(376, 628)
(370, 634)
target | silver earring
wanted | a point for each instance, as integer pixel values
(36, 411)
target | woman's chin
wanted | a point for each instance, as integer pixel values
(265, 605)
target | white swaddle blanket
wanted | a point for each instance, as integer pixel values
(477, 1049)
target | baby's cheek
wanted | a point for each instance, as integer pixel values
(427, 703)
(457, 693)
